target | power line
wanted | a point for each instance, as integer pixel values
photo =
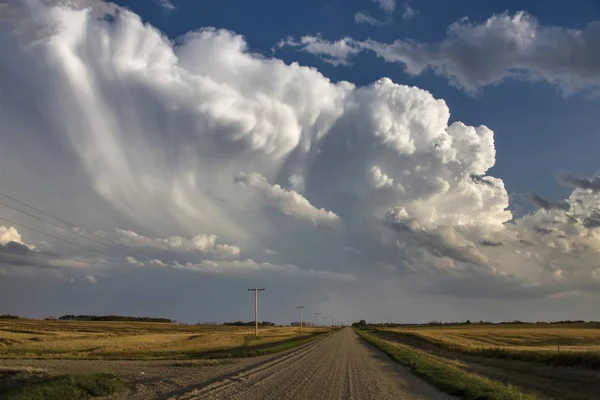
(57, 225)
(38, 210)
(75, 226)
(139, 252)
(330, 318)
(54, 237)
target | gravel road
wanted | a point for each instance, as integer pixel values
(340, 366)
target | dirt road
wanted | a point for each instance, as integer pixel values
(341, 366)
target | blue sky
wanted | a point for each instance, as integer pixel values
(343, 164)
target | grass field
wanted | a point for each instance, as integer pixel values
(137, 340)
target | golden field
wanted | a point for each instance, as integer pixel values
(131, 340)
(553, 361)
(518, 337)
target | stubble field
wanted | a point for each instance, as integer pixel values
(26, 339)
(559, 361)
(525, 337)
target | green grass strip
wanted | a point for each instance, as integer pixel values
(67, 387)
(448, 378)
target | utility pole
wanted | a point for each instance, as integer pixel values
(300, 308)
(255, 309)
(317, 314)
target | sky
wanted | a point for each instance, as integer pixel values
(369, 159)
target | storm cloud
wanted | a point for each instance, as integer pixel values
(205, 159)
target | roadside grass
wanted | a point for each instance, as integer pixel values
(30, 339)
(66, 387)
(565, 347)
(446, 376)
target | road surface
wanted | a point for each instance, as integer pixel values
(341, 366)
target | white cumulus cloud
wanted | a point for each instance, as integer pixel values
(166, 4)
(387, 6)
(10, 234)
(133, 261)
(363, 17)
(158, 262)
(289, 202)
(202, 243)
(474, 55)
(409, 12)
(335, 53)
(248, 267)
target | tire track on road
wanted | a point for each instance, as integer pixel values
(222, 383)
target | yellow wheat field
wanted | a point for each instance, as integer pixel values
(521, 337)
(74, 339)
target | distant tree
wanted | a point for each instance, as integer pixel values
(360, 324)
(9, 316)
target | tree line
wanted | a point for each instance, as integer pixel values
(112, 318)
(248, 323)
(362, 323)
